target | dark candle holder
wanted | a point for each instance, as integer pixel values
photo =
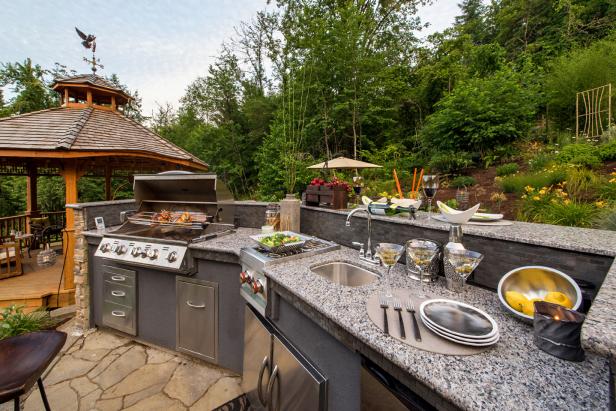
(557, 331)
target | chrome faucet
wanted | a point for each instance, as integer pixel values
(364, 255)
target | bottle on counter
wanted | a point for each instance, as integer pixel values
(290, 213)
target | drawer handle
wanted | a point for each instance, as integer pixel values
(117, 293)
(118, 278)
(188, 303)
(118, 313)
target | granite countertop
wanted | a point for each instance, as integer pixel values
(585, 240)
(513, 374)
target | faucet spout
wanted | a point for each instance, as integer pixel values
(368, 254)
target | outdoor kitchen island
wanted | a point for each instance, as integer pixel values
(514, 374)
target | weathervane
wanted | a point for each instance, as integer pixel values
(89, 42)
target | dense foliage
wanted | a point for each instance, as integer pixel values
(308, 80)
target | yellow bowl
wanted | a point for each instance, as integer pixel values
(535, 282)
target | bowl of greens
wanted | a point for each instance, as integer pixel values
(282, 241)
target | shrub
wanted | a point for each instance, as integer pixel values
(607, 151)
(506, 169)
(582, 184)
(541, 161)
(482, 113)
(552, 206)
(462, 181)
(450, 162)
(606, 220)
(607, 190)
(15, 322)
(574, 214)
(516, 183)
(580, 155)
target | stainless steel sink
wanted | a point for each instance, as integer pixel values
(345, 274)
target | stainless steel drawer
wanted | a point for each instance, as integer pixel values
(197, 318)
(120, 317)
(118, 293)
(119, 275)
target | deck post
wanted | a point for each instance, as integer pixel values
(31, 196)
(71, 177)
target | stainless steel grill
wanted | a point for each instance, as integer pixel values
(175, 210)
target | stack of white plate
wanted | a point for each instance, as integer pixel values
(459, 322)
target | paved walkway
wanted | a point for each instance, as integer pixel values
(105, 372)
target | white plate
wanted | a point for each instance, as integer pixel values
(440, 331)
(462, 341)
(451, 317)
(486, 217)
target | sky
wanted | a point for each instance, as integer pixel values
(157, 47)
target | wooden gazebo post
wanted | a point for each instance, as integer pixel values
(71, 177)
(31, 195)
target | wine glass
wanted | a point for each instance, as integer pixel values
(421, 253)
(389, 254)
(358, 182)
(461, 265)
(430, 185)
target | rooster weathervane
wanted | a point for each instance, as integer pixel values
(89, 42)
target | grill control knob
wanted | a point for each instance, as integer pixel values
(173, 255)
(257, 286)
(152, 253)
(136, 251)
(105, 247)
(120, 249)
(245, 278)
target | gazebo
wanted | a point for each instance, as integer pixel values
(86, 136)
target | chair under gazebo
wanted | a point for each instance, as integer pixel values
(87, 136)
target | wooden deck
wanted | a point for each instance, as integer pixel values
(37, 287)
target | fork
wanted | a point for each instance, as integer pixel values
(398, 308)
(410, 307)
(384, 306)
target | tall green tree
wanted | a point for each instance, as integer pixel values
(27, 81)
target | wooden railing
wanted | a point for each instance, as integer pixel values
(20, 223)
(14, 223)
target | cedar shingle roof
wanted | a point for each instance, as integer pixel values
(92, 79)
(84, 129)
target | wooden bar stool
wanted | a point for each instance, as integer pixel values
(22, 361)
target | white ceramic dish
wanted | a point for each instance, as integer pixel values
(455, 313)
(456, 216)
(463, 341)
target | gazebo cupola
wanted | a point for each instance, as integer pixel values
(90, 90)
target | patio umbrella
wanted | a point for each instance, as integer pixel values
(343, 163)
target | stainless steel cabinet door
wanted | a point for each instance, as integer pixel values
(295, 385)
(197, 318)
(257, 359)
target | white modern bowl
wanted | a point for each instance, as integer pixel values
(457, 216)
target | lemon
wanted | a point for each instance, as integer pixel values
(529, 308)
(559, 298)
(516, 300)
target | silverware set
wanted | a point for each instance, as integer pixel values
(397, 306)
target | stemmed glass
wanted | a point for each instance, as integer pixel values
(358, 182)
(421, 254)
(389, 254)
(430, 185)
(461, 265)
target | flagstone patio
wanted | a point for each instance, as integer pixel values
(106, 372)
